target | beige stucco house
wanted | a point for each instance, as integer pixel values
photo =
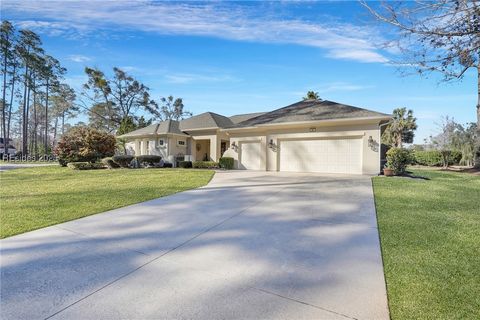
(307, 136)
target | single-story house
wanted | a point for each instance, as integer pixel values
(307, 136)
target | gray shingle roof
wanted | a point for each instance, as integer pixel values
(163, 127)
(311, 110)
(243, 117)
(205, 120)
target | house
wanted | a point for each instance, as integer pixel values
(7, 149)
(307, 136)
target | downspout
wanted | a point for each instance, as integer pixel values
(380, 144)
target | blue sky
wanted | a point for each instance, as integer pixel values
(239, 57)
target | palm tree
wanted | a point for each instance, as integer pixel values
(311, 95)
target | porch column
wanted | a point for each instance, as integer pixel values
(137, 147)
(213, 148)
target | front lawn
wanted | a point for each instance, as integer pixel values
(38, 197)
(430, 237)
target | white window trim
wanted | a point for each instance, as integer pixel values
(182, 145)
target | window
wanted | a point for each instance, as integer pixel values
(181, 143)
(161, 142)
(148, 147)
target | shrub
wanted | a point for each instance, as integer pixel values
(84, 144)
(62, 162)
(167, 165)
(455, 158)
(226, 163)
(434, 158)
(398, 159)
(205, 164)
(85, 165)
(123, 160)
(110, 163)
(185, 164)
(150, 160)
(428, 158)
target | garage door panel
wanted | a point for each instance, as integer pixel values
(321, 155)
(250, 155)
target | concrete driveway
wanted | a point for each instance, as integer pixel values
(250, 245)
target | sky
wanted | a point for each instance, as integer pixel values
(241, 57)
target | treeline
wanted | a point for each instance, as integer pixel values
(36, 103)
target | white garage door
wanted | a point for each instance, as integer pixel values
(250, 155)
(321, 155)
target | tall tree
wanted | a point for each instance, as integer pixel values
(63, 105)
(311, 95)
(119, 97)
(103, 116)
(7, 45)
(401, 129)
(444, 141)
(29, 48)
(173, 109)
(51, 71)
(436, 36)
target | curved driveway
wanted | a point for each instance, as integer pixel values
(249, 245)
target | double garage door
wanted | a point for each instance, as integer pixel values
(308, 155)
(321, 155)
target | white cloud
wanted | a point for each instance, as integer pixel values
(342, 86)
(228, 21)
(79, 58)
(185, 78)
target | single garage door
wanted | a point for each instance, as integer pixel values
(250, 155)
(322, 155)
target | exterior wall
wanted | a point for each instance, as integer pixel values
(270, 159)
(176, 150)
(130, 147)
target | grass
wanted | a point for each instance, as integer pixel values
(38, 197)
(430, 237)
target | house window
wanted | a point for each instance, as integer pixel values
(161, 142)
(181, 143)
(148, 147)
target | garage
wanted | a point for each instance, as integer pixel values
(250, 156)
(340, 155)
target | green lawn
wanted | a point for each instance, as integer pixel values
(38, 197)
(430, 236)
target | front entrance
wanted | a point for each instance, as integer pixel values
(202, 150)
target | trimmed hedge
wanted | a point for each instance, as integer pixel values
(150, 160)
(85, 165)
(123, 160)
(205, 164)
(226, 163)
(167, 165)
(185, 164)
(110, 163)
(433, 158)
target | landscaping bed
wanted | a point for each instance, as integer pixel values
(429, 230)
(38, 197)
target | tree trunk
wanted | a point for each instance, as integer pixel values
(477, 139)
(27, 114)
(24, 113)
(35, 119)
(55, 131)
(4, 97)
(12, 94)
(63, 122)
(46, 119)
